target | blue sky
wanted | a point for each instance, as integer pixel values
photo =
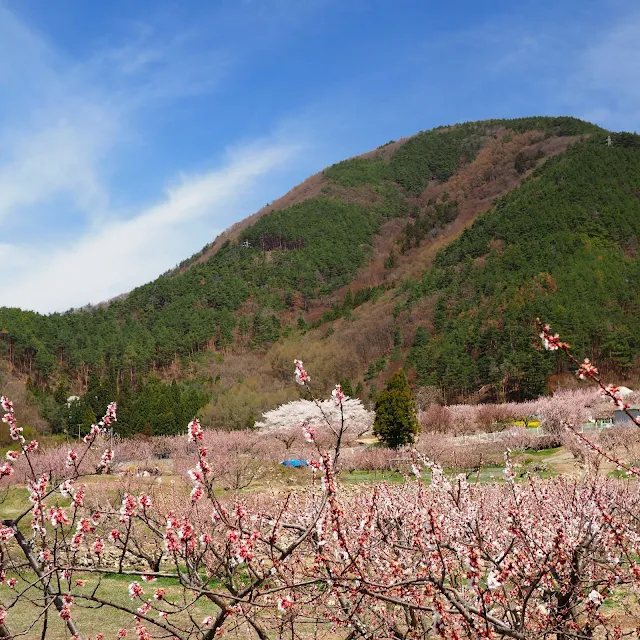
(132, 133)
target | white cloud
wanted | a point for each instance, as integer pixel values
(63, 124)
(608, 80)
(109, 259)
(53, 133)
(62, 119)
(612, 62)
(60, 158)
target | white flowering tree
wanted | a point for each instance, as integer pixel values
(358, 420)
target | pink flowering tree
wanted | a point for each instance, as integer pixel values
(537, 559)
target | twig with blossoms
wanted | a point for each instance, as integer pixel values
(303, 379)
(58, 518)
(587, 371)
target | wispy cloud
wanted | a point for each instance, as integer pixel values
(103, 262)
(607, 83)
(53, 135)
(60, 157)
(62, 127)
(60, 118)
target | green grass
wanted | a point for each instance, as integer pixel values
(361, 476)
(90, 618)
(542, 453)
(13, 502)
(488, 474)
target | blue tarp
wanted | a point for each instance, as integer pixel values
(294, 463)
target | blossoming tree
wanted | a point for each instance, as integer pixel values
(538, 559)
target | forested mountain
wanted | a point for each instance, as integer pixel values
(564, 246)
(437, 251)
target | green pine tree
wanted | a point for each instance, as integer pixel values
(347, 387)
(396, 422)
(88, 420)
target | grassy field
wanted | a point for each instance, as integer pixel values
(97, 619)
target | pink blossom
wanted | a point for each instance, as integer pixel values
(85, 526)
(302, 377)
(285, 604)
(141, 631)
(6, 470)
(128, 507)
(203, 467)
(135, 590)
(72, 456)
(186, 531)
(78, 496)
(110, 415)
(77, 539)
(613, 393)
(308, 432)
(93, 433)
(65, 611)
(44, 555)
(144, 609)
(98, 546)
(338, 395)
(196, 434)
(244, 553)
(196, 493)
(106, 459)
(551, 342)
(586, 370)
(57, 516)
(31, 447)
(6, 533)
(65, 488)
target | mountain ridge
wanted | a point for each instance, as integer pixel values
(341, 259)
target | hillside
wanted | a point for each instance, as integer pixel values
(437, 251)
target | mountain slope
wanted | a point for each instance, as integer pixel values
(346, 256)
(563, 247)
